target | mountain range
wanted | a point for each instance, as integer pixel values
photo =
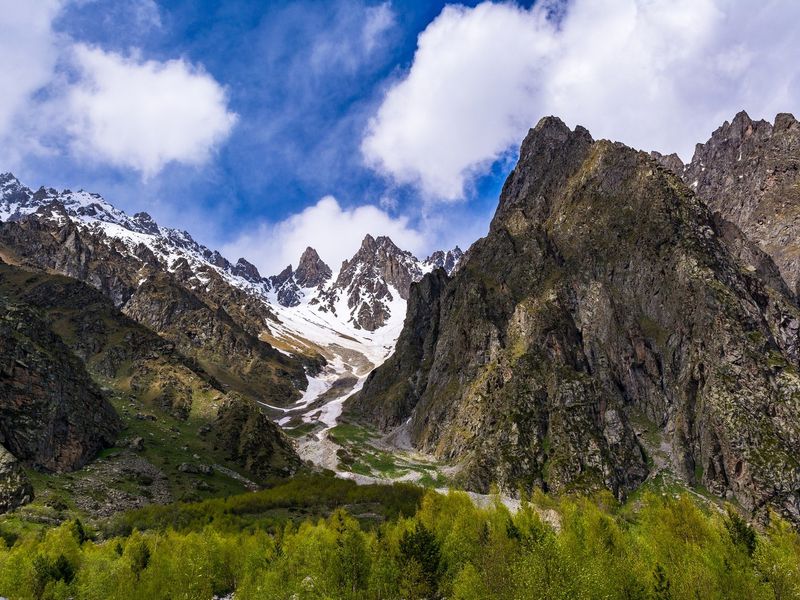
(627, 317)
(178, 329)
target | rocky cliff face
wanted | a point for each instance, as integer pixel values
(52, 415)
(15, 487)
(134, 363)
(749, 172)
(210, 309)
(252, 441)
(604, 295)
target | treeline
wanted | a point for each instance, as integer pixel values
(662, 548)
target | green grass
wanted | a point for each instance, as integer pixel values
(348, 433)
(301, 430)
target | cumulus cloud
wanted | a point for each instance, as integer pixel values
(28, 54)
(145, 114)
(465, 99)
(656, 74)
(63, 96)
(333, 231)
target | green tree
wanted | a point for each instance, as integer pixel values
(420, 556)
(740, 531)
(138, 553)
(661, 585)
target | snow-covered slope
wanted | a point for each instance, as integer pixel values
(352, 316)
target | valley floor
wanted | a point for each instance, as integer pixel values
(314, 421)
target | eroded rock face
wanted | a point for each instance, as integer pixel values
(370, 280)
(447, 260)
(52, 415)
(251, 440)
(160, 277)
(749, 172)
(603, 293)
(311, 271)
(15, 487)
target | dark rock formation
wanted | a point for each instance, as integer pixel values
(252, 441)
(246, 270)
(287, 291)
(52, 415)
(672, 162)
(311, 270)
(15, 487)
(604, 293)
(749, 172)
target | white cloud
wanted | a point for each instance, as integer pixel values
(350, 40)
(146, 13)
(379, 19)
(145, 114)
(334, 232)
(62, 96)
(465, 99)
(28, 54)
(656, 74)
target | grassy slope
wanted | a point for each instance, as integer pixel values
(134, 367)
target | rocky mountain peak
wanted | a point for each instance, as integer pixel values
(749, 172)
(672, 161)
(146, 222)
(311, 270)
(286, 289)
(246, 270)
(368, 243)
(374, 250)
(549, 152)
(379, 259)
(448, 260)
(8, 179)
(604, 293)
(784, 121)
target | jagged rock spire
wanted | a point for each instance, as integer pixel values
(311, 270)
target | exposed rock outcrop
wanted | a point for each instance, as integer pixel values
(749, 172)
(604, 293)
(252, 441)
(15, 487)
(52, 415)
(311, 270)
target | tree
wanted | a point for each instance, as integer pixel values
(419, 552)
(138, 553)
(740, 531)
(661, 584)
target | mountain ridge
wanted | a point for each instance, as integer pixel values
(585, 304)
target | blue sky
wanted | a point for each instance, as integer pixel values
(235, 119)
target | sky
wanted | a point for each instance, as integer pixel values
(264, 127)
